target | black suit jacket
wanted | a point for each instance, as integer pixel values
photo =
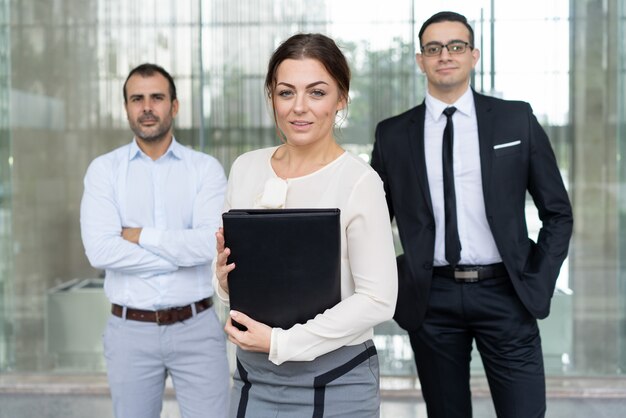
(507, 174)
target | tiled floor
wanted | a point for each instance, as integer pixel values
(81, 396)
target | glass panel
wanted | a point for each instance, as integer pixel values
(63, 63)
(6, 162)
(621, 189)
(595, 263)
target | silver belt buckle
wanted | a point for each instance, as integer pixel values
(469, 276)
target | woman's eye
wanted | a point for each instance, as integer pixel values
(318, 93)
(285, 93)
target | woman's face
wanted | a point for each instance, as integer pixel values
(306, 99)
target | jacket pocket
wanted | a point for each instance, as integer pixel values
(507, 148)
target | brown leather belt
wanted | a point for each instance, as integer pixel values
(165, 316)
(471, 274)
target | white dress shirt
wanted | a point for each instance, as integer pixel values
(368, 266)
(477, 243)
(177, 200)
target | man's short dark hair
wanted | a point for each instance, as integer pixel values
(148, 70)
(447, 17)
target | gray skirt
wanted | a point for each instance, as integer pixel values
(342, 383)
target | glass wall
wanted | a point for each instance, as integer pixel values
(6, 259)
(620, 52)
(63, 63)
(595, 262)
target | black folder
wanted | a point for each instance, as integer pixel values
(287, 263)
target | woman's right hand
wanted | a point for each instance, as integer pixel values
(221, 268)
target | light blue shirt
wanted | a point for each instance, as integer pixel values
(177, 200)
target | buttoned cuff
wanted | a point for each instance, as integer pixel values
(273, 354)
(150, 238)
(221, 294)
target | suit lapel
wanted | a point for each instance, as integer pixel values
(418, 156)
(484, 119)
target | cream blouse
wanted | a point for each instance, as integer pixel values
(368, 268)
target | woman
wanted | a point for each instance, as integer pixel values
(327, 366)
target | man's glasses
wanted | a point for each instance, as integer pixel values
(434, 49)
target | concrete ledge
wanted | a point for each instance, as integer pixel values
(53, 384)
(392, 388)
(59, 384)
(564, 387)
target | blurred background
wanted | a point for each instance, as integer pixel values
(62, 66)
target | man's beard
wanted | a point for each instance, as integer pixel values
(160, 129)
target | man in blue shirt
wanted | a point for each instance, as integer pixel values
(149, 214)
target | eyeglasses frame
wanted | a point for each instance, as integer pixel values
(457, 41)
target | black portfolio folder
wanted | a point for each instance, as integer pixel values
(287, 263)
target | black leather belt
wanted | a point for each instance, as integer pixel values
(165, 316)
(471, 274)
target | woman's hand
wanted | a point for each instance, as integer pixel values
(256, 338)
(221, 268)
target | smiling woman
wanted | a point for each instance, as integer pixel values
(329, 364)
(305, 101)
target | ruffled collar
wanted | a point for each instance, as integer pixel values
(274, 194)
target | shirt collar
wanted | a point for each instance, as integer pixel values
(465, 105)
(174, 150)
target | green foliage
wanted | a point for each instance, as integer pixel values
(384, 83)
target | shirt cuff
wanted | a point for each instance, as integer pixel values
(150, 238)
(224, 297)
(273, 355)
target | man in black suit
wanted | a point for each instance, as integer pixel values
(456, 171)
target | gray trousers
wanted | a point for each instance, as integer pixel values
(140, 355)
(343, 383)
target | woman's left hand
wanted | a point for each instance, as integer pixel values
(256, 338)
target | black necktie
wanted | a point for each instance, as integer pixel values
(453, 243)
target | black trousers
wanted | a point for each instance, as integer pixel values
(508, 340)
